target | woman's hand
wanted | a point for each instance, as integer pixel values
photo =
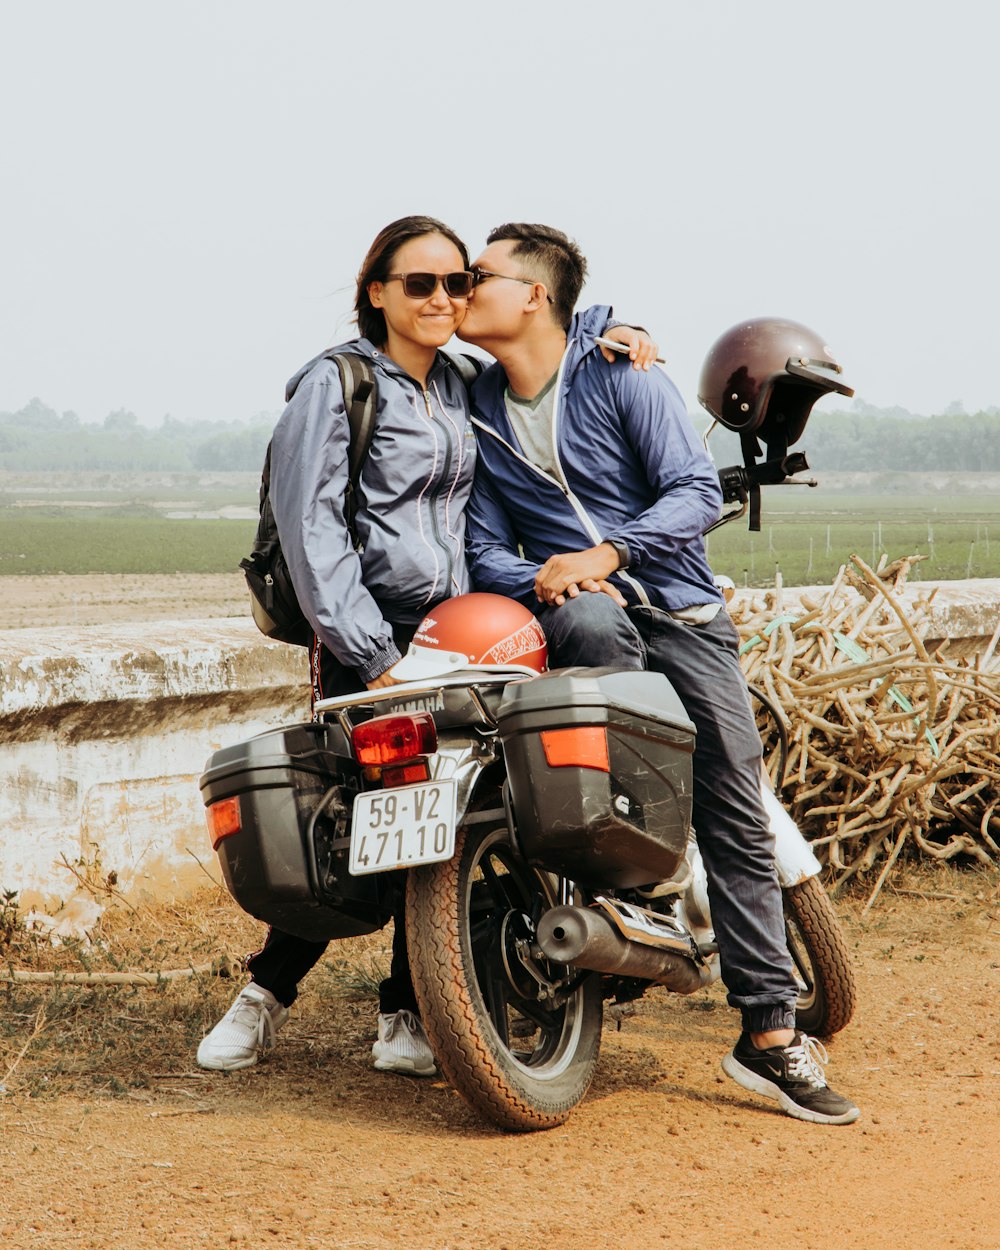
(642, 351)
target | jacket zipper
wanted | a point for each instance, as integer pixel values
(436, 495)
(581, 513)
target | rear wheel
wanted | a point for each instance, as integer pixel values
(517, 1036)
(822, 963)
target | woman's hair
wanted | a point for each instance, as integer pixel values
(378, 264)
(552, 257)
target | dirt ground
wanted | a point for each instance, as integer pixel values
(111, 1137)
(107, 599)
(314, 1149)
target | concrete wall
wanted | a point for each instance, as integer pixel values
(105, 731)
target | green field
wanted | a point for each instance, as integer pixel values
(809, 536)
(118, 541)
(806, 534)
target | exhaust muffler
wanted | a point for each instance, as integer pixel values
(617, 938)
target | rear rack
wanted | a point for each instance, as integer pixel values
(410, 691)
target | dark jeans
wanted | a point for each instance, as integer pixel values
(702, 664)
(284, 960)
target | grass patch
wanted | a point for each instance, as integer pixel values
(357, 978)
(59, 1037)
(132, 539)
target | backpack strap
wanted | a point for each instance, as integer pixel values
(357, 377)
(467, 367)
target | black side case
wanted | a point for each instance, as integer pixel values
(620, 829)
(288, 863)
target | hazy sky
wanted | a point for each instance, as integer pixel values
(189, 187)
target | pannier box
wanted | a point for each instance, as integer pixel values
(287, 864)
(619, 824)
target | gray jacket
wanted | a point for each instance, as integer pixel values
(411, 502)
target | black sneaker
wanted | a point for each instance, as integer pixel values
(793, 1076)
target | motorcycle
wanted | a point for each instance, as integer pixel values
(540, 826)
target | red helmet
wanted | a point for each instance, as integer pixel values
(474, 631)
(762, 377)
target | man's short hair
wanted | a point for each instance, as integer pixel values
(553, 259)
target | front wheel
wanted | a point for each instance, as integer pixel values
(517, 1036)
(822, 963)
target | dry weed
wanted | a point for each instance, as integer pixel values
(118, 1036)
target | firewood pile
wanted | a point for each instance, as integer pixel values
(888, 746)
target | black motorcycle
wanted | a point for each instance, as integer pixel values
(540, 825)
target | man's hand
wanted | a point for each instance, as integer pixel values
(563, 576)
(381, 681)
(642, 351)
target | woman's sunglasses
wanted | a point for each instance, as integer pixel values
(423, 285)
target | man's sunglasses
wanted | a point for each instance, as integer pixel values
(457, 285)
(480, 275)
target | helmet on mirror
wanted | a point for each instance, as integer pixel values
(762, 378)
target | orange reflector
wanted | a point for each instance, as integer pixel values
(223, 819)
(586, 747)
(406, 774)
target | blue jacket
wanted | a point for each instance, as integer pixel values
(411, 499)
(635, 472)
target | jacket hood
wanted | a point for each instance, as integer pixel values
(583, 329)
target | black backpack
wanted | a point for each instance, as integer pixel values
(273, 602)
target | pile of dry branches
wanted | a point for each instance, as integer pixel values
(886, 743)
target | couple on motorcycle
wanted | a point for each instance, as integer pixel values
(588, 494)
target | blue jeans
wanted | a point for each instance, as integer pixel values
(702, 664)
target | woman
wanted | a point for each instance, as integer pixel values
(364, 605)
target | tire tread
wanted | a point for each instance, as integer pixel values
(826, 945)
(433, 931)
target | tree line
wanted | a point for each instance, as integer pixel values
(850, 441)
(37, 438)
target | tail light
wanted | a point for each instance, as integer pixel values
(394, 739)
(223, 820)
(586, 747)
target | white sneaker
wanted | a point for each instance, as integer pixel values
(247, 1028)
(402, 1046)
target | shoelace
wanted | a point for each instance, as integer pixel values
(245, 1009)
(404, 1020)
(806, 1061)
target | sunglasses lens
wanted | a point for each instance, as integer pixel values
(423, 285)
(419, 285)
(459, 285)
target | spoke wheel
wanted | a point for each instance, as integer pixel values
(821, 960)
(516, 1035)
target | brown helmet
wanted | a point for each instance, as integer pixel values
(762, 378)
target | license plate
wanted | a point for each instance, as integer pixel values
(402, 827)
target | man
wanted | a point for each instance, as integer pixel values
(591, 497)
